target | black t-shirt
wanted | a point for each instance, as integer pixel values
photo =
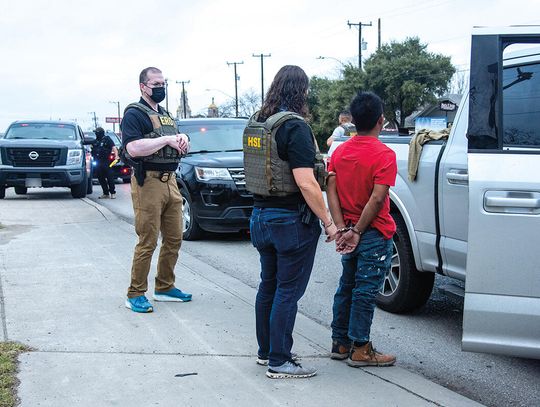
(295, 145)
(135, 125)
(102, 149)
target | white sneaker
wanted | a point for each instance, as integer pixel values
(290, 370)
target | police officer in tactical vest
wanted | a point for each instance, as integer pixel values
(153, 147)
(285, 172)
(102, 150)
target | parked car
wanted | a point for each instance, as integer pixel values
(473, 212)
(211, 178)
(120, 169)
(44, 154)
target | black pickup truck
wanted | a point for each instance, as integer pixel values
(35, 154)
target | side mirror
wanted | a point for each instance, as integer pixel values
(89, 138)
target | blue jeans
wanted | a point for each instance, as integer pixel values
(363, 276)
(287, 249)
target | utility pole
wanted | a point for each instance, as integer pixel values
(235, 83)
(379, 29)
(183, 83)
(94, 118)
(359, 25)
(262, 56)
(167, 94)
(113, 125)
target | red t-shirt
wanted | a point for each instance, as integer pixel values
(359, 164)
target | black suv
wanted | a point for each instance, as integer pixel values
(211, 178)
(45, 154)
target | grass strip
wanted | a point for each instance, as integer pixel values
(9, 351)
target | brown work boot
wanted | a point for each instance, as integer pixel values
(339, 351)
(367, 356)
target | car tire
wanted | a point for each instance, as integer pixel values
(126, 180)
(191, 229)
(405, 288)
(90, 187)
(2, 192)
(21, 190)
(79, 190)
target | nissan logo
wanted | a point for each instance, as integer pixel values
(33, 155)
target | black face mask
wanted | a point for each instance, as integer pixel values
(158, 94)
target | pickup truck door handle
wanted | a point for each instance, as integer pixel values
(458, 177)
(512, 202)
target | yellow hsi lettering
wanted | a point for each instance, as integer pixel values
(254, 142)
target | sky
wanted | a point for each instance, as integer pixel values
(65, 59)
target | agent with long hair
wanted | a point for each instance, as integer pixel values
(288, 204)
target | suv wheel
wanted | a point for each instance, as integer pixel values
(191, 229)
(21, 190)
(404, 288)
(79, 190)
(2, 192)
(126, 180)
(89, 187)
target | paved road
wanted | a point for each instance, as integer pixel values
(426, 342)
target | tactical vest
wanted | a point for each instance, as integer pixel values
(102, 148)
(266, 173)
(349, 128)
(163, 125)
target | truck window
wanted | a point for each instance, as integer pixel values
(521, 105)
(41, 131)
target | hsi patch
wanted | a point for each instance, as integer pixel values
(166, 121)
(254, 141)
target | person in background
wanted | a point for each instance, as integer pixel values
(102, 150)
(345, 128)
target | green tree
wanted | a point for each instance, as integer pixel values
(328, 97)
(406, 76)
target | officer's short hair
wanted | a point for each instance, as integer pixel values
(143, 76)
(99, 130)
(366, 109)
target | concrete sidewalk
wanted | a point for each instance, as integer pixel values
(64, 268)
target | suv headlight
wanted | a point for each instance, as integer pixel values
(207, 174)
(74, 157)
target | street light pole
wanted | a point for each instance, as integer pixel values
(335, 59)
(359, 25)
(262, 56)
(183, 83)
(235, 83)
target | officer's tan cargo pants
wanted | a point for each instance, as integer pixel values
(158, 207)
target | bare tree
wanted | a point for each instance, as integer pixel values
(248, 104)
(459, 83)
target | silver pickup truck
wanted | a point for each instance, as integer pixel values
(473, 212)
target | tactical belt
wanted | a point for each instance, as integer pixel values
(164, 176)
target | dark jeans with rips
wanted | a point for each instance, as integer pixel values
(362, 278)
(287, 249)
(105, 177)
